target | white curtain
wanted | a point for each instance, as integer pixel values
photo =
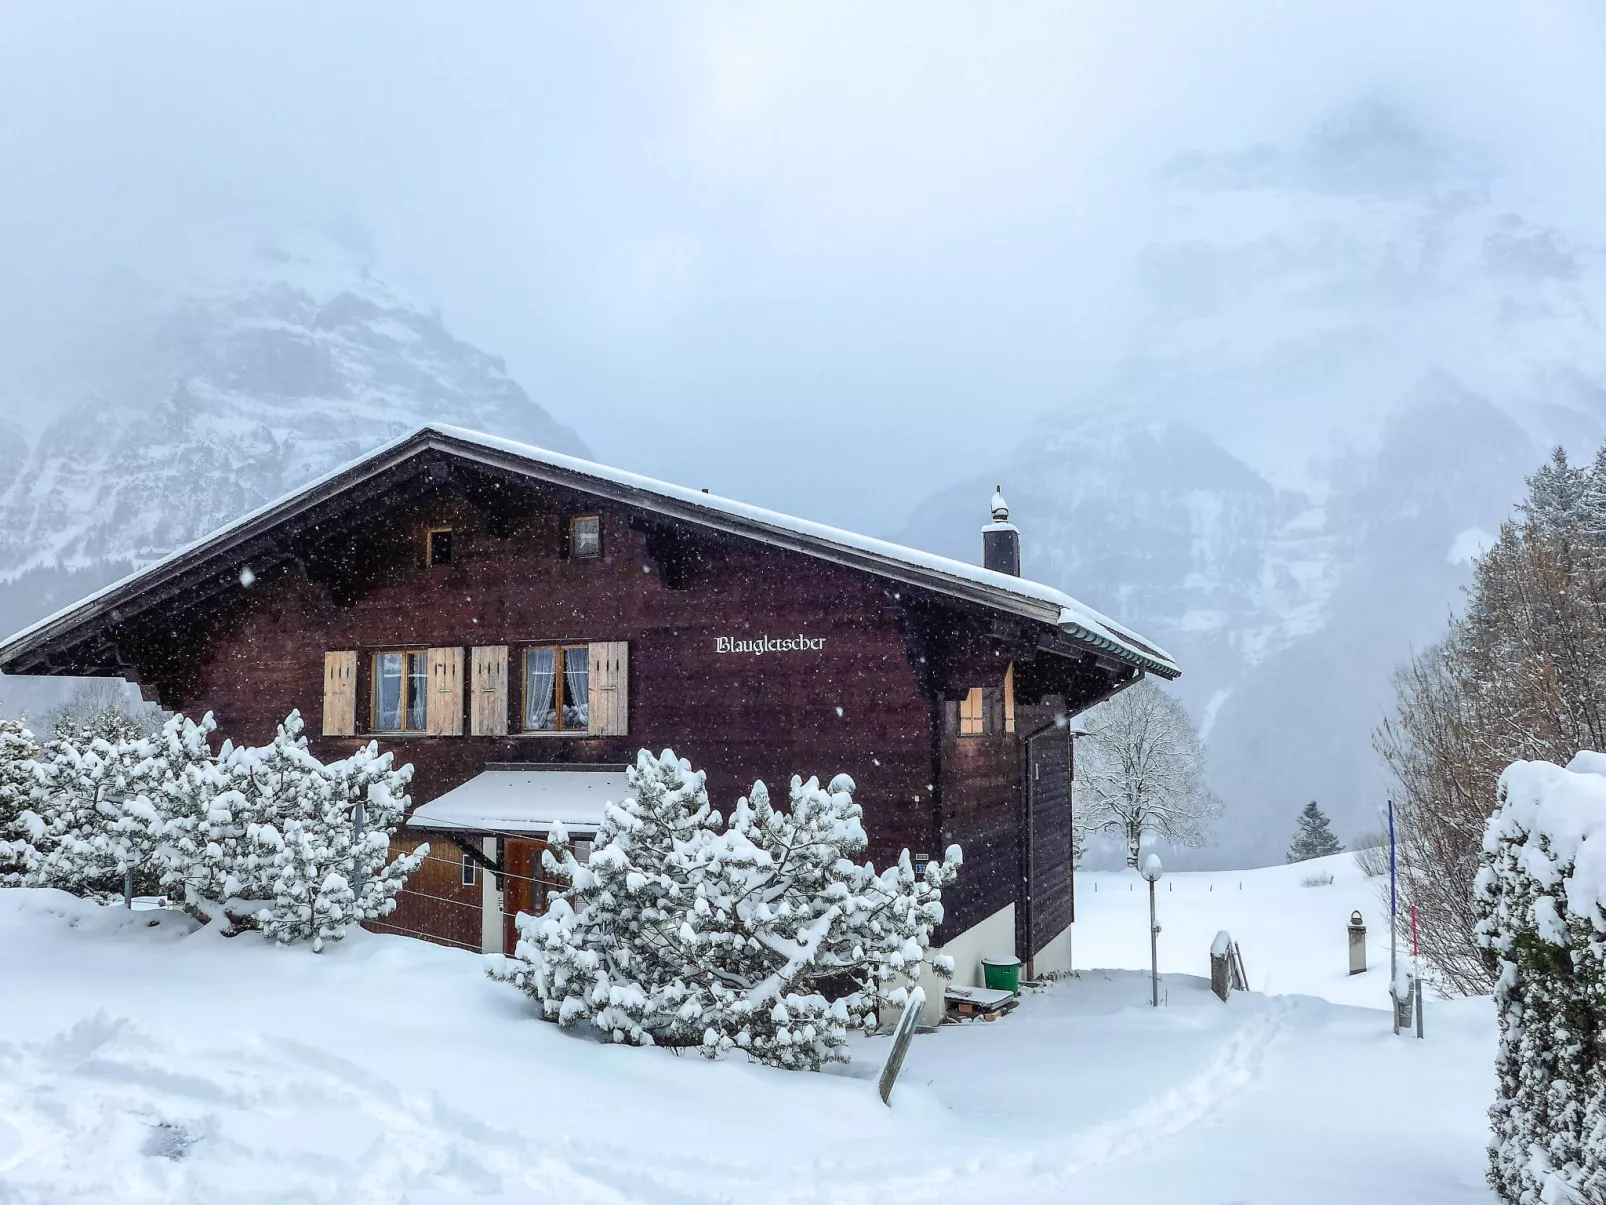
(388, 692)
(576, 688)
(417, 691)
(540, 676)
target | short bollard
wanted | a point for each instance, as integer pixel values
(1357, 944)
(1403, 992)
(1221, 975)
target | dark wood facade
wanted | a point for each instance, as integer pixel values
(877, 694)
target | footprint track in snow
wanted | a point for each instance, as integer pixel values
(277, 1120)
(104, 1111)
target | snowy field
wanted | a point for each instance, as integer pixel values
(142, 1062)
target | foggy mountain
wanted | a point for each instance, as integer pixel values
(1348, 355)
(1350, 358)
(225, 396)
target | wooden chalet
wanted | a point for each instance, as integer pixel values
(518, 623)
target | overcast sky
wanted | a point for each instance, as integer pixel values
(835, 250)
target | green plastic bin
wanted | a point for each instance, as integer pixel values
(1002, 974)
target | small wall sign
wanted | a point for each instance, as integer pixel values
(765, 644)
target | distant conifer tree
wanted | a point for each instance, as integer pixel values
(1313, 837)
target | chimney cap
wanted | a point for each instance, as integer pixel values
(1000, 507)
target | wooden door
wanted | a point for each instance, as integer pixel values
(525, 889)
(1049, 878)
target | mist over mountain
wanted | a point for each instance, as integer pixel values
(1350, 357)
(220, 397)
(1348, 351)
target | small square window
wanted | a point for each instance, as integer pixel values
(470, 870)
(585, 536)
(439, 550)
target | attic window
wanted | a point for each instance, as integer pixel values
(972, 713)
(438, 546)
(988, 710)
(585, 536)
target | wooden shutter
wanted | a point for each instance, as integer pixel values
(488, 715)
(340, 694)
(445, 708)
(609, 665)
(1009, 698)
(972, 713)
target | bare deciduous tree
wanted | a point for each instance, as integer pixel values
(1521, 675)
(1141, 771)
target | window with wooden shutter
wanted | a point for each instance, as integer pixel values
(972, 713)
(610, 688)
(340, 693)
(488, 716)
(445, 692)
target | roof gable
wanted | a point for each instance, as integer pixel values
(942, 575)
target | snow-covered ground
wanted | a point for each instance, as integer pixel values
(142, 1062)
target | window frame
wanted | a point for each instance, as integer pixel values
(429, 548)
(574, 538)
(558, 649)
(406, 677)
(470, 874)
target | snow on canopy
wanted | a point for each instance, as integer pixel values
(1075, 618)
(525, 799)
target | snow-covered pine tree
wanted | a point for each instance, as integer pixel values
(1556, 495)
(92, 827)
(208, 861)
(802, 942)
(18, 749)
(1313, 836)
(1541, 912)
(610, 949)
(764, 936)
(309, 853)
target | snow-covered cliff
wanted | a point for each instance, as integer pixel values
(233, 396)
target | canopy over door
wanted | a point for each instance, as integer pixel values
(523, 799)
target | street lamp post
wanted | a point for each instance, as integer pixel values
(1151, 872)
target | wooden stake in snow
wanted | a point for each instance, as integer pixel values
(901, 1037)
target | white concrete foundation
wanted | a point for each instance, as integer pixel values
(991, 938)
(1055, 957)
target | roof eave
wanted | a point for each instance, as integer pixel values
(218, 545)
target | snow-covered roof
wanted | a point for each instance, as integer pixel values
(525, 799)
(943, 574)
